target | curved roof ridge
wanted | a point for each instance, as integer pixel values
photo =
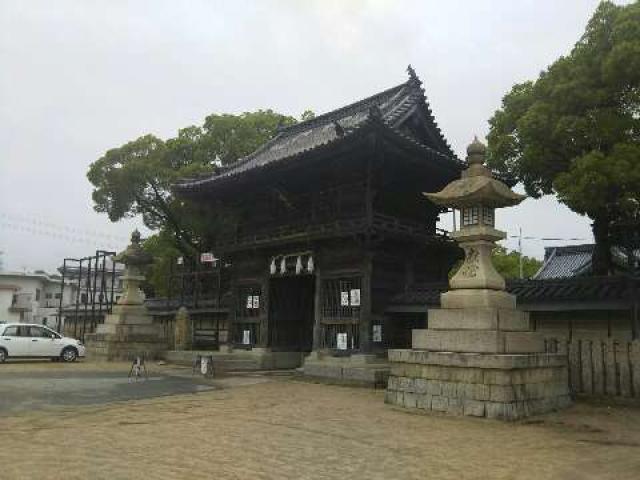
(342, 111)
(391, 107)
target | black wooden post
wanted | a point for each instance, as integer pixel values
(317, 316)
(59, 319)
(366, 313)
(263, 340)
(634, 307)
(78, 298)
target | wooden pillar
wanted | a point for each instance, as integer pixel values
(231, 318)
(317, 307)
(366, 313)
(369, 193)
(634, 308)
(263, 340)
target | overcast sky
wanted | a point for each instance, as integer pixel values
(80, 77)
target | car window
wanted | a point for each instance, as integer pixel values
(35, 332)
(48, 333)
(11, 332)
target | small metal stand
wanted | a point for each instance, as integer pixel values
(138, 369)
(203, 364)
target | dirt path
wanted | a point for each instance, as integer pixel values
(284, 429)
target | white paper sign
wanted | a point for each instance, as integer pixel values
(204, 365)
(341, 341)
(355, 297)
(246, 337)
(377, 333)
(344, 299)
(207, 257)
(250, 301)
(256, 301)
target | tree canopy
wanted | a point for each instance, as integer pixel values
(508, 263)
(575, 131)
(135, 178)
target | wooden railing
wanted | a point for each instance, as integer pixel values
(342, 225)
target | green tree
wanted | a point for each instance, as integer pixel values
(136, 178)
(575, 131)
(508, 264)
(307, 115)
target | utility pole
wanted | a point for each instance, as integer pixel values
(520, 252)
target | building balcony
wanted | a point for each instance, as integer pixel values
(22, 302)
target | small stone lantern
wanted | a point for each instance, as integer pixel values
(134, 259)
(129, 331)
(477, 194)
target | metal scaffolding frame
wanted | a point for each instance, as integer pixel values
(99, 299)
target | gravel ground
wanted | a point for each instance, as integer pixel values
(270, 427)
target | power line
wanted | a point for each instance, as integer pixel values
(55, 230)
(550, 239)
(59, 232)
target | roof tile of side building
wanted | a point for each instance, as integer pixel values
(565, 262)
(390, 106)
(587, 290)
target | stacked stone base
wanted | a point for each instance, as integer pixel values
(110, 347)
(126, 333)
(501, 386)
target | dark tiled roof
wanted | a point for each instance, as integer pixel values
(390, 107)
(565, 262)
(573, 290)
(421, 294)
(577, 289)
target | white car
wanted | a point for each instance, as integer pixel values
(27, 340)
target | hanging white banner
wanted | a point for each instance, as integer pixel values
(355, 297)
(344, 299)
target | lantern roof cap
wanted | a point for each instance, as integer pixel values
(477, 187)
(134, 254)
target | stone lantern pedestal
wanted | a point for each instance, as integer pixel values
(129, 330)
(479, 356)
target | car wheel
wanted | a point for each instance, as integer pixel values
(69, 354)
(3, 355)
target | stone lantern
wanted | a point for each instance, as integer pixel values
(478, 355)
(135, 259)
(477, 194)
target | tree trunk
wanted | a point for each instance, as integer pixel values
(601, 260)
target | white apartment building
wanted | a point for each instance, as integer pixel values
(33, 297)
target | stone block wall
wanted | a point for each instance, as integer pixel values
(506, 387)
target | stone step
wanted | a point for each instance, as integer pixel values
(239, 360)
(485, 318)
(477, 341)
